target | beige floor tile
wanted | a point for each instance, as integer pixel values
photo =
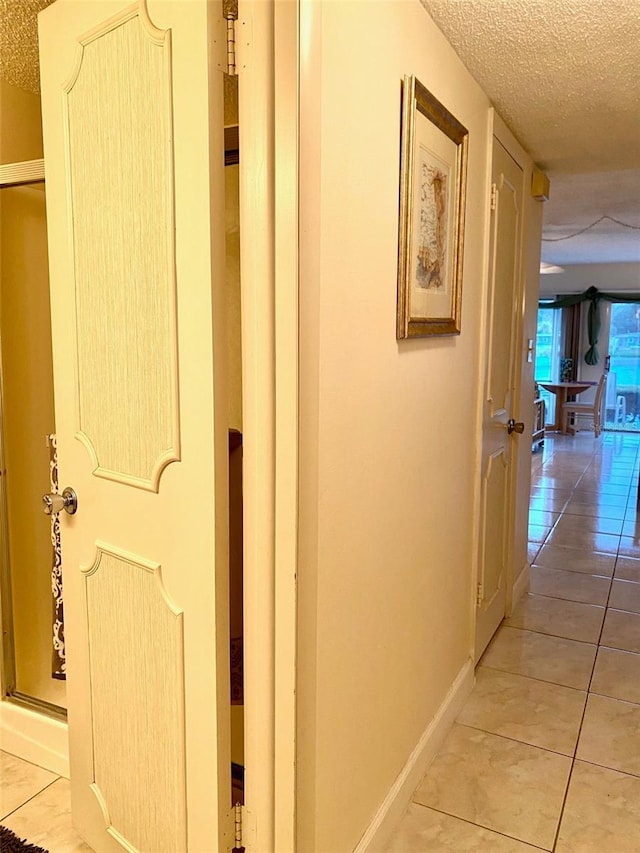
(555, 616)
(542, 489)
(532, 551)
(46, 821)
(19, 781)
(573, 560)
(570, 524)
(606, 543)
(590, 490)
(552, 659)
(627, 569)
(625, 595)
(500, 784)
(578, 508)
(621, 630)
(603, 480)
(573, 586)
(560, 483)
(525, 709)
(602, 812)
(631, 528)
(538, 533)
(610, 734)
(629, 547)
(543, 517)
(617, 674)
(423, 830)
(549, 503)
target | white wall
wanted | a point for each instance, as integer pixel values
(612, 278)
(388, 430)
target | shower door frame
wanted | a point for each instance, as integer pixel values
(14, 175)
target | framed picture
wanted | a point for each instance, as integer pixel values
(433, 171)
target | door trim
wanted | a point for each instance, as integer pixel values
(268, 120)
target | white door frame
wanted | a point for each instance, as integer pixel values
(268, 117)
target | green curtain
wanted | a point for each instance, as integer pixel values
(594, 297)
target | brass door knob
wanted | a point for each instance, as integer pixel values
(515, 426)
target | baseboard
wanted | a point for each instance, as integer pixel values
(397, 800)
(521, 585)
(34, 737)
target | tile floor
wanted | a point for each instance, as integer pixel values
(34, 804)
(546, 753)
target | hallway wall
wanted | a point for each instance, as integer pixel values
(388, 430)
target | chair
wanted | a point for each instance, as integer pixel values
(615, 405)
(593, 409)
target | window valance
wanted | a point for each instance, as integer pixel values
(594, 297)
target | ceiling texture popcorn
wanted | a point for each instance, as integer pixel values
(19, 64)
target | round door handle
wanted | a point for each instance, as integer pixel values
(515, 426)
(67, 501)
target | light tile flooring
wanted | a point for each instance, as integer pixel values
(546, 753)
(34, 804)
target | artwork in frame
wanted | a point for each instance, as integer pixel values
(433, 171)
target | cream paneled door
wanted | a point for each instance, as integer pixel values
(132, 114)
(496, 510)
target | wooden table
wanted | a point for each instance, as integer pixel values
(562, 391)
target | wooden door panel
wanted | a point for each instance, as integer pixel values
(119, 159)
(499, 371)
(133, 129)
(496, 487)
(136, 657)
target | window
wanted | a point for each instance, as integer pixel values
(548, 348)
(622, 403)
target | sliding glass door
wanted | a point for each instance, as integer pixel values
(548, 352)
(622, 404)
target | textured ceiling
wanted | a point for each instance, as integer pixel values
(19, 64)
(564, 75)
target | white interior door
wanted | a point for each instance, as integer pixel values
(132, 120)
(496, 502)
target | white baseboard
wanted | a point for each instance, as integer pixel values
(397, 800)
(521, 585)
(34, 737)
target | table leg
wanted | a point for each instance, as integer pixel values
(561, 399)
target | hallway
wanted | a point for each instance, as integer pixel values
(546, 753)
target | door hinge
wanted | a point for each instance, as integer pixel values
(231, 47)
(240, 830)
(232, 40)
(494, 196)
(237, 840)
(479, 595)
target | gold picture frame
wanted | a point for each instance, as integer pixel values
(433, 174)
